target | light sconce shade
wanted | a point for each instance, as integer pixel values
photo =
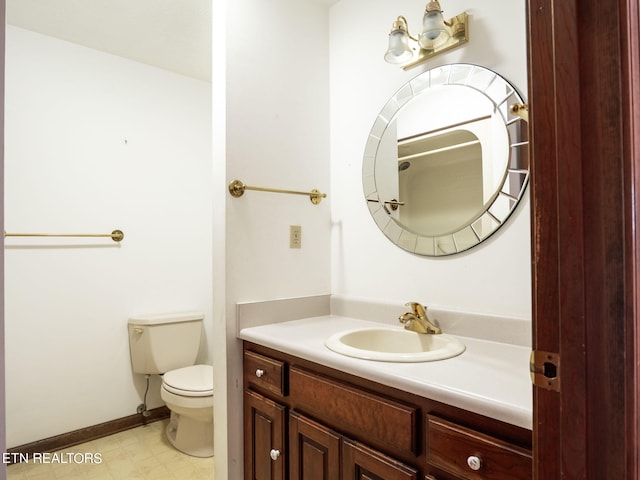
(436, 37)
(399, 50)
(434, 32)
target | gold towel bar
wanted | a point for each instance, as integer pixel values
(237, 188)
(116, 235)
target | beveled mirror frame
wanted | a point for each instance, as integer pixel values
(502, 202)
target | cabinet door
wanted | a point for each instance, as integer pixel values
(363, 463)
(264, 438)
(314, 450)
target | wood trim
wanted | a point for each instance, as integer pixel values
(604, 233)
(557, 230)
(630, 67)
(87, 434)
(584, 102)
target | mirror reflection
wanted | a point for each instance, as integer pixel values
(446, 161)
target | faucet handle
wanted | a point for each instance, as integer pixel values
(417, 309)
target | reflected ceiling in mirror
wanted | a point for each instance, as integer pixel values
(446, 162)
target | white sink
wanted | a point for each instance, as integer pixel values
(389, 344)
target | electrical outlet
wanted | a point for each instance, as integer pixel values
(295, 236)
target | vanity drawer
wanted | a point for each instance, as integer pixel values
(473, 455)
(350, 409)
(265, 372)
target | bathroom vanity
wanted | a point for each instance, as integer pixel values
(311, 413)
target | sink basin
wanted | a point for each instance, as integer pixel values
(388, 344)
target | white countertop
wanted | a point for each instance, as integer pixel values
(489, 378)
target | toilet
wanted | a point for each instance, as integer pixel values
(168, 345)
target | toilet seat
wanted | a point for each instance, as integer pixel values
(192, 381)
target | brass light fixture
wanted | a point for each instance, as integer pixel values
(438, 35)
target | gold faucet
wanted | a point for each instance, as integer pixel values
(417, 321)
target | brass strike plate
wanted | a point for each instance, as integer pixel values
(545, 370)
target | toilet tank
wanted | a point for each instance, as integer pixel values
(160, 343)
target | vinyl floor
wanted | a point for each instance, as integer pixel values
(136, 454)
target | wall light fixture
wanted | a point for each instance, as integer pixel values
(438, 35)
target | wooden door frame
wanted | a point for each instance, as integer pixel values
(585, 138)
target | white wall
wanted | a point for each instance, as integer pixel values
(277, 136)
(95, 142)
(491, 278)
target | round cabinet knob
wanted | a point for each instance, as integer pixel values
(474, 462)
(274, 454)
(259, 373)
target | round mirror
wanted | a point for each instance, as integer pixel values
(446, 161)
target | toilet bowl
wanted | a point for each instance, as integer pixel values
(188, 393)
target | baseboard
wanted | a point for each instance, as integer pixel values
(87, 434)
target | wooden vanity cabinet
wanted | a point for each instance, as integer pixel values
(304, 421)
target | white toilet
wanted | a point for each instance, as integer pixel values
(168, 345)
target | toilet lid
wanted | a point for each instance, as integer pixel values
(193, 381)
